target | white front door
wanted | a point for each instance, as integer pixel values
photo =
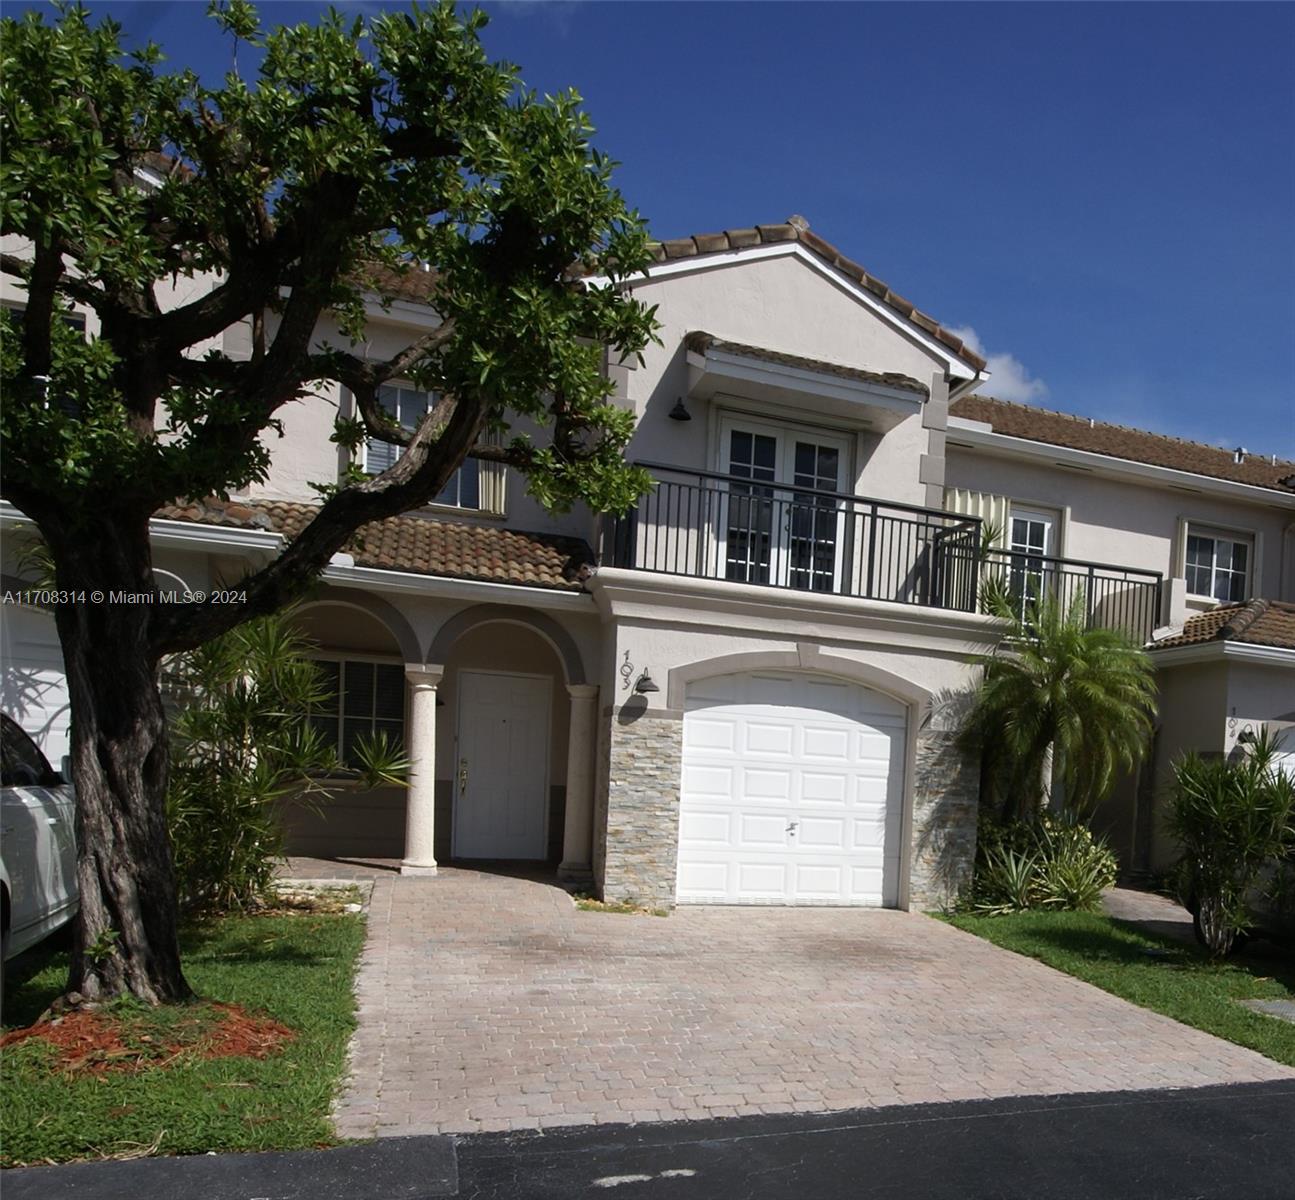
(773, 534)
(501, 775)
(791, 792)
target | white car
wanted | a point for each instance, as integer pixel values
(37, 845)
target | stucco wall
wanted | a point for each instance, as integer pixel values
(1128, 524)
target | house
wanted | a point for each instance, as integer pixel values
(747, 689)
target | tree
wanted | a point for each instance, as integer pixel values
(1083, 698)
(360, 154)
(1233, 818)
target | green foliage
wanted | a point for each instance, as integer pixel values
(241, 742)
(295, 969)
(1046, 863)
(1233, 818)
(1084, 696)
(1169, 977)
(359, 148)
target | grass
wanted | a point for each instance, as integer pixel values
(1158, 973)
(590, 904)
(296, 969)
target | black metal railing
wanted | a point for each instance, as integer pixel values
(705, 525)
(1113, 597)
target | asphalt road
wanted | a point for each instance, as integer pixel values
(1209, 1143)
(1203, 1144)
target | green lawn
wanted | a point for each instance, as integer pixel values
(1166, 976)
(296, 969)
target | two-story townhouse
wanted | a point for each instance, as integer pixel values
(1218, 525)
(747, 689)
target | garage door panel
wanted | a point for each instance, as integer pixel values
(821, 833)
(839, 750)
(820, 881)
(867, 882)
(703, 780)
(824, 788)
(764, 737)
(821, 743)
(715, 828)
(704, 879)
(758, 832)
(710, 733)
(764, 785)
(761, 880)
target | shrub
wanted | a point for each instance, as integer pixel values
(241, 740)
(1233, 819)
(1052, 863)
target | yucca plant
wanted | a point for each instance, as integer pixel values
(241, 741)
(1234, 818)
(1059, 692)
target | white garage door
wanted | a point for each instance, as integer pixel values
(33, 688)
(791, 792)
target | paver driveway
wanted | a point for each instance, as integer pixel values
(493, 1003)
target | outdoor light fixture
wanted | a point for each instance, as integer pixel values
(645, 684)
(679, 413)
(1246, 737)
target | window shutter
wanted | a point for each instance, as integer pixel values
(992, 510)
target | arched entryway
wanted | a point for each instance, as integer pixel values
(512, 727)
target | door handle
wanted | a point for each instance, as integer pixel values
(463, 775)
(791, 827)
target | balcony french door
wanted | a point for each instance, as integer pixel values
(1031, 546)
(781, 534)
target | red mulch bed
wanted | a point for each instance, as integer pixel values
(99, 1042)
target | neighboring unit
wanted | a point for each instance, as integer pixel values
(747, 689)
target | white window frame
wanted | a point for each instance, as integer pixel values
(1049, 520)
(1231, 536)
(341, 658)
(785, 435)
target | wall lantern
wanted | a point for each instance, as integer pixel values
(645, 684)
(679, 413)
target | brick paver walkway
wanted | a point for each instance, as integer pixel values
(493, 1003)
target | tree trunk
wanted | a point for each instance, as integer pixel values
(125, 939)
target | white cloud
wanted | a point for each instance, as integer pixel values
(1008, 377)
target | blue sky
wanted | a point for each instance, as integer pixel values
(1104, 194)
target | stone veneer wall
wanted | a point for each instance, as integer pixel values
(946, 798)
(638, 823)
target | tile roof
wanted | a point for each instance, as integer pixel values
(416, 284)
(1119, 441)
(420, 545)
(701, 342)
(796, 229)
(1256, 622)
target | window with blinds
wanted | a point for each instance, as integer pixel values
(475, 485)
(366, 699)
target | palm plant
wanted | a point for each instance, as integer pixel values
(1059, 692)
(242, 740)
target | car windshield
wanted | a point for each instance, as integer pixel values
(21, 762)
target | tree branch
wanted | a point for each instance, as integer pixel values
(439, 444)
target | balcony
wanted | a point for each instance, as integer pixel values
(703, 525)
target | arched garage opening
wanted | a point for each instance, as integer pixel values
(792, 789)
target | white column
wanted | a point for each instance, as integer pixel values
(577, 833)
(420, 795)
